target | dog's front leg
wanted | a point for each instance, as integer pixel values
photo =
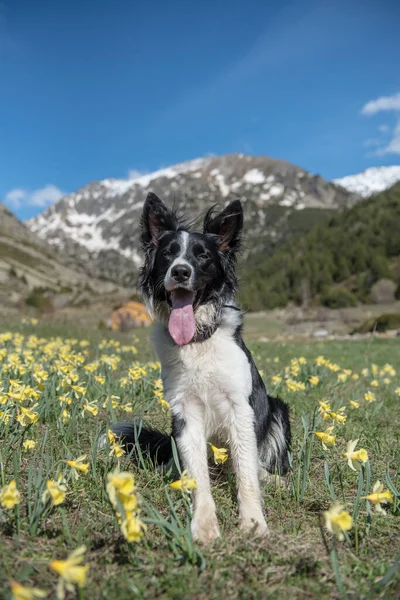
(192, 446)
(243, 445)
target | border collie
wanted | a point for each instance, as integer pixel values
(211, 383)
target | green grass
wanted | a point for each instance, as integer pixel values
(293, 562)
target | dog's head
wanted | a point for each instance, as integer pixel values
(187, 276)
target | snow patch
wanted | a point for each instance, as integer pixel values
(371, 181)
(254, 176)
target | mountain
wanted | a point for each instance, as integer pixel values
(31, 270)
(98, 226)
(371, 181)
(337, 263)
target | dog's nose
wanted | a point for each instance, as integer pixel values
(181, 273)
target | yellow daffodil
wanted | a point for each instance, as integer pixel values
(326, 437)
(354, 404)
(339, 416)
(56, 491)
(342, 377)
(369, 397)
(91, 408)
(378, 497)
(121, 487)
(276, 379)
(337, 521)
(355, 376)
(324, 407)
(27, 416)
(185, 483)
(79, 390)
(71, 572)
(375, 383)
(354, 458)
(220, 455)
(397, 391)
(29, 444)
(132, 527)
(99, 379)
(78, 465)
(9, 495)
(314, 380)
(21, 592)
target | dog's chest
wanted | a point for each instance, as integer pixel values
(212, 371)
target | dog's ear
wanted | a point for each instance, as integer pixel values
(156, 218)
(227, 226)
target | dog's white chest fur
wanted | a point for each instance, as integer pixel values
(209, 376)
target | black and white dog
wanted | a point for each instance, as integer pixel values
(210, 380)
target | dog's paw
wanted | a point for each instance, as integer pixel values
(258, 526)
(205, 528)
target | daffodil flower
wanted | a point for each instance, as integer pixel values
(27, 416)
(56, 491)
(313, 380)
(121, 487)
(326, 437)
(378, 497)
(185, 483)
(354, 404)
(9, 495)
(375, 383)
(29, 444)
(21, 592)
(276, 379)
(71, 572)
(132, 527)
(78, 465)
(369, 396)
(337, 521)
(354, 458)
(220, 455)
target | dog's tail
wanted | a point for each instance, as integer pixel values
(152, 444)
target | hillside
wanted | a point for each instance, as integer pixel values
(351, 251)
(98, 226)
(30, 269)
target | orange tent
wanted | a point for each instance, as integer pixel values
(130, 315)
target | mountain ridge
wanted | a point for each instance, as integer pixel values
(98, 225)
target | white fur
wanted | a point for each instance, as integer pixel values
(169, 281)
(208, 384)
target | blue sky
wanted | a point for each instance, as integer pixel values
(92, 89)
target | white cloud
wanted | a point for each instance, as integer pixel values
(41, 197)
(383, 128)
(382, 103)
(14, 197)
(45, 196)
(385, 103)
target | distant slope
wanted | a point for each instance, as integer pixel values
(98, 226)
(28, 263)
(356, 247)
(371, 181)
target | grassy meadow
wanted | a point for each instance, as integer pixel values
(60, 390)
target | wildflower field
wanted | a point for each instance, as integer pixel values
(79, 519)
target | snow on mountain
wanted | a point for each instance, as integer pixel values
(371, 181)
(98, 226)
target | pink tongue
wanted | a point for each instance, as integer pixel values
(182, 325)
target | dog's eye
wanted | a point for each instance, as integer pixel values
(203, 256)
(167, 253)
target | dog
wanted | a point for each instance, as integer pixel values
(215, 392)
